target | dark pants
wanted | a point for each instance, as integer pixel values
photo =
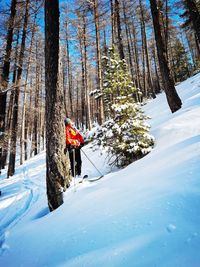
(78, 161)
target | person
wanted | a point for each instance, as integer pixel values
(74, 143)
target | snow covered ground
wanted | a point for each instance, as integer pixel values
(146, 215)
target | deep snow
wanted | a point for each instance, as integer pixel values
(144, 215)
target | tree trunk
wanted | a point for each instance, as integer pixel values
(57, 175)
(68, 74)
(112, 21)
(119, 30)
(10, 106)
(5, 77)
(82, 83)
(135, 53)
(99, 67)
(14, 127)
(143, 30)
(172, 97)
(22, 139)
(36, 107)
(128, 43)
(158, 89)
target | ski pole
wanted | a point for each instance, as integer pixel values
(92, 163)
(73, 151)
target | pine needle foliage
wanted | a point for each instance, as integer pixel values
(125, 134)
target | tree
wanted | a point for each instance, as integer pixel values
(57, 176)
(180, 61)
(150, 90)
(5, 76)
(118, 29)
(173, 99)
(125, 133)
(14, 125)
(98, 52)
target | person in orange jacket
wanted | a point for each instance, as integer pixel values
(74, 143)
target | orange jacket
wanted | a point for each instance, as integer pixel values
(73, 137)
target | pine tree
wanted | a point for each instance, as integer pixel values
(125, 133)
(180, 62)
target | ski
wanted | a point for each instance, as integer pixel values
(93, 179)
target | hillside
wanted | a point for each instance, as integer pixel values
(146, 214)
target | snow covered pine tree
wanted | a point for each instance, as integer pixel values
(125, 134)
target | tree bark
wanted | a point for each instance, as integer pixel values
(128, 43)
(14, 127)
(68, 73)
(22, 138)
(5, 77)
(57, 176)
(173, 99)
(112, 21)
(143, 31)
(99, 67)
(119, 30)
(82, 82)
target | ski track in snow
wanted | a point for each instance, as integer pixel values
(18, 195)
(19, 192)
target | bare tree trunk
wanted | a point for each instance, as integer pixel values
(22, 139)
(158, 89)
(112, 22)
(143, 63)
(144, 37)
(36, 107)
(135, 53)
(14, 131)
(119, 31)
(5, 77)
(128, 43)
(10, 106)
(82, 83)
(99, 67)
(166, 30)
(68, 73)
(57, 175)
(172, 97)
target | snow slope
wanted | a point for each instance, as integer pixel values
(144, 215)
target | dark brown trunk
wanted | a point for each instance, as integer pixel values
(5, 77)
(135, 54)
(14, 127)
(99, 68)
(143, 27)
(112, 21)
(57, 176)
(119, 31)
(128, 43)
(172, 97)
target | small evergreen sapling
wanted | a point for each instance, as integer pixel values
(125, 134)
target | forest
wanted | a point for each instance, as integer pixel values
(86, 60)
